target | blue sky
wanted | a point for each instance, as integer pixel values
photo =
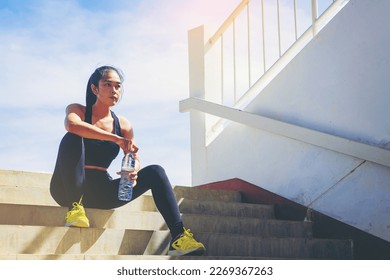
(49, 48)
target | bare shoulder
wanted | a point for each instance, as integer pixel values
(125, 123)
(126, 127)
(75, 108)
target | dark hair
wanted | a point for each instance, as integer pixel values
(96, 76)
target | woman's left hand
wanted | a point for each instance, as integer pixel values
(133, 176)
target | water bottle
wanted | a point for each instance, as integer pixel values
(125, 190)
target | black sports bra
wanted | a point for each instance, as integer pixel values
(100, 152)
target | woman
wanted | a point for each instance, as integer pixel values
(95, 136)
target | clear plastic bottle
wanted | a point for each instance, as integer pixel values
(125, 190)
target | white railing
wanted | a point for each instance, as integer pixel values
(252, 39)
(302, 134)
(210, 79)
(244, 55)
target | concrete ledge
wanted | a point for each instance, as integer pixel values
(54, 216)
(58, 241)
(248, 226)
(24, 178)
(284, 208)
(120, 257)
(229, 228)
(283, 248)
(234, 209)
(62, 240)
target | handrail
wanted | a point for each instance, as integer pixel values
(207, 124)
(321, 139)
(268, 61)
(225, 25)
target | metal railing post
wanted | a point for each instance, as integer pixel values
(279, 36)
(263, 35)
(249, 47)
(314, 15)
(295, 20)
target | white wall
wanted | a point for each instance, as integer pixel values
(337, 84)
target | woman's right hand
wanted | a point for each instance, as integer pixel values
(126, 145)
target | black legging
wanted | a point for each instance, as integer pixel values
(70, 181)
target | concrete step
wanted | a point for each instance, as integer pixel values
(54, 216)
(39, 240)
(26, 212)
(283, 248)
(42, 257)
(62, 240)
(42, 197)
(12, 178)
(235, 209)
(207, 194)
(119, 257)
(11, 214)
(166, 257)
(25, 195)
(247, 226)
(31, 227)
(19, 194)
(24, 179)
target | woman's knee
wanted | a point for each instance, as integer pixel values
(153, 176)
(70, 141)
(154, 170)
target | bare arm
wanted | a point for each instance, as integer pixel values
(128, 133)
(74, 123)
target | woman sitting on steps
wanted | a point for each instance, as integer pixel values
(95, 136)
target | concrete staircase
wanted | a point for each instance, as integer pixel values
(31, 227)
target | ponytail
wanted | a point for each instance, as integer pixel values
(96, 76)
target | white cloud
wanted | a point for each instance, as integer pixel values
(50, 48)
(48, 51)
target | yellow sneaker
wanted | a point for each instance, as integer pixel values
(185, 244)
(76, 217)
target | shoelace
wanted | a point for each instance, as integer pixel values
(77, 206)
(188, 233)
